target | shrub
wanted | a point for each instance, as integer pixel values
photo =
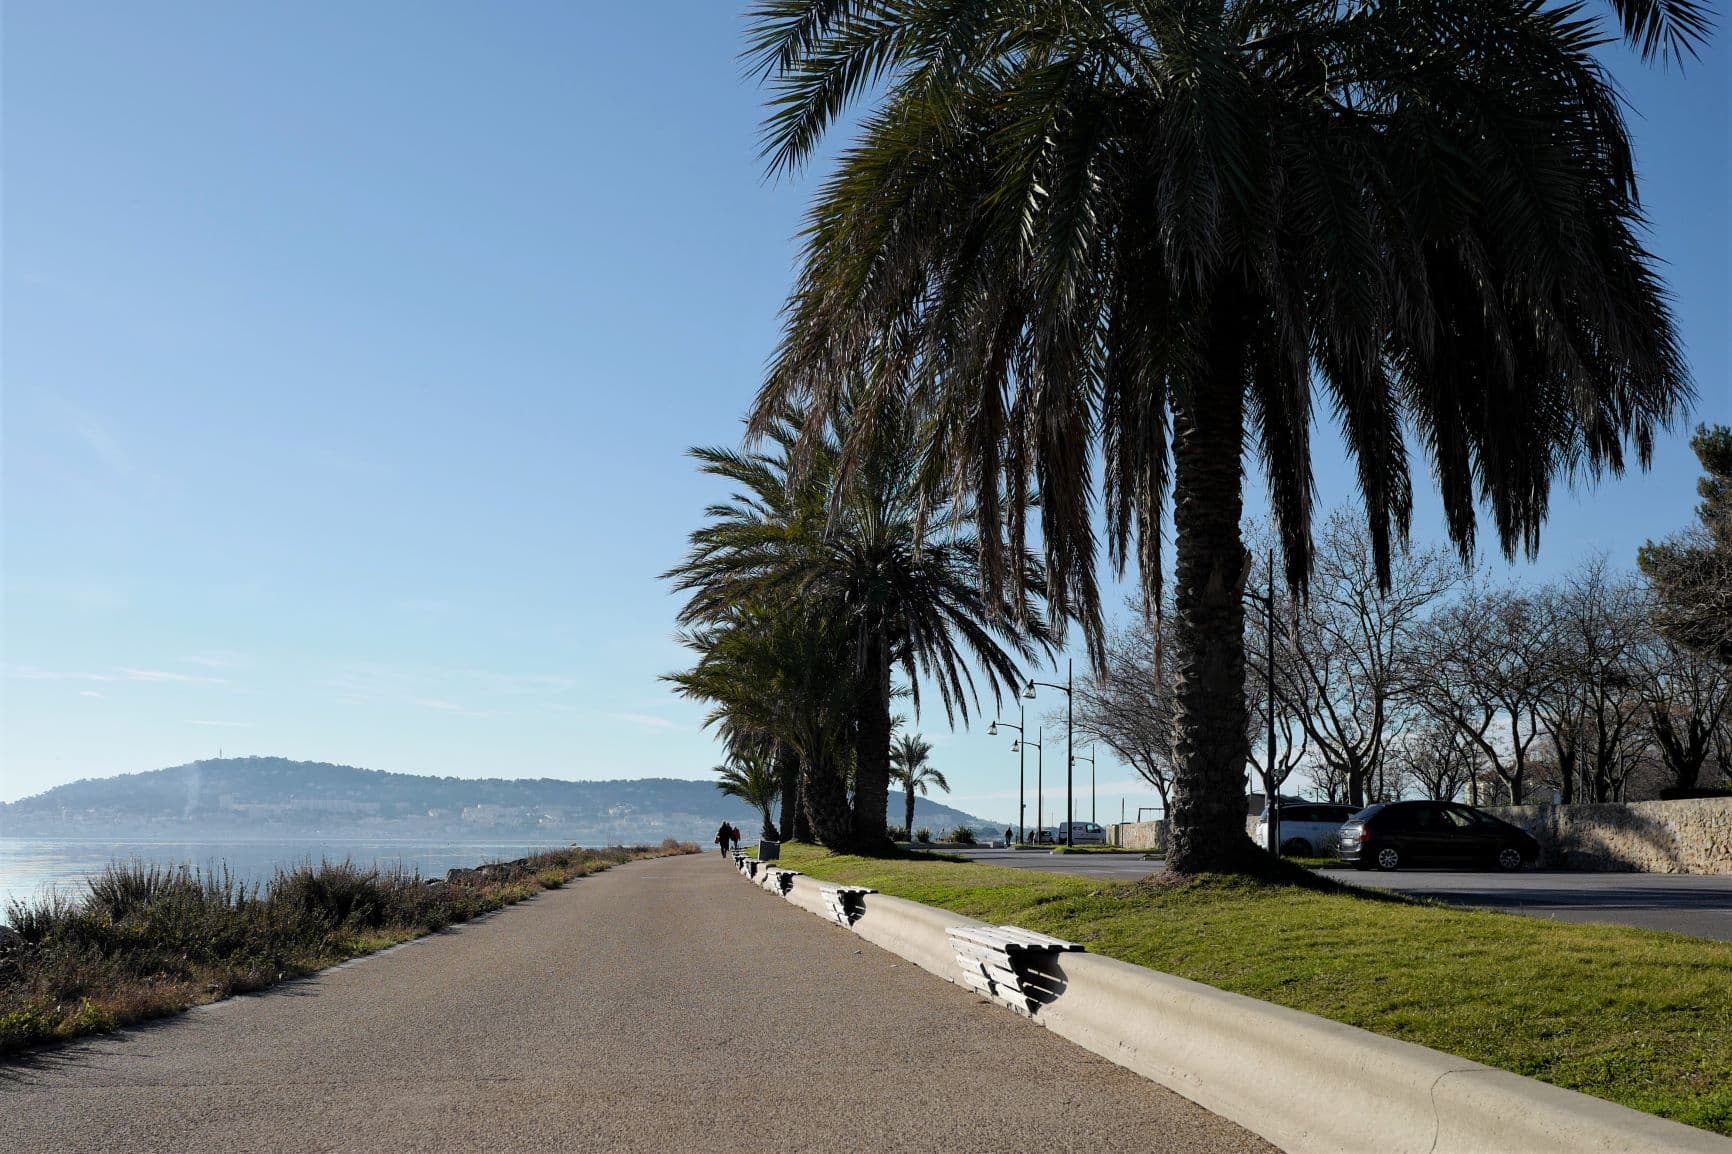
(140, 940)
(923, 835)
(962, 835)
(898, 833)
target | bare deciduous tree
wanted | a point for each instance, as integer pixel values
(1596, 619)
(1353, 649)
(1687, 695)
(1481, 666)
(1128, 707)
(1438, 760)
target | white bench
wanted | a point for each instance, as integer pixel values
(1001, 963)
(845, 903)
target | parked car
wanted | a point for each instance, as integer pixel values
(1401, 833)
(1081, 833)
(1308, 829)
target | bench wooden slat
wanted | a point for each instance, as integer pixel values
(1014, 938)
(841, 900)
(987, 958)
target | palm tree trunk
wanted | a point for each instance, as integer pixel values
(872, 749)
(908, 811)
(788, 769)
(825, 796)
(1209, 743)
(802, 823)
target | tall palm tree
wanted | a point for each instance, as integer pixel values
(1160, 231)
(852, 538)
(752, 778)
(910, 762)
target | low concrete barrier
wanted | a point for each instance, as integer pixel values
(804, 893)
(1308, 1084)
(1305, 1083)
(914, 931)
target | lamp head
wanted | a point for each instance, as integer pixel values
(992, 730)
(1016, 745)
(1028, 694)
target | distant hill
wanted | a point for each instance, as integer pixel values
(276, 797)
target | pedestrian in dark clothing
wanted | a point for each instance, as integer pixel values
(723, 837)
(735, 830)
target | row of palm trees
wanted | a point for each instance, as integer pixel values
(1080, 256)
(821, 590)
(755, 780)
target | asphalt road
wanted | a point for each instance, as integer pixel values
(1118, 866)
(1681, 903)
(664, 1005)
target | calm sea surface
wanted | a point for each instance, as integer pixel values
(29, 867)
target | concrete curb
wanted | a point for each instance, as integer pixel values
(804, 893)
(1302, 1082)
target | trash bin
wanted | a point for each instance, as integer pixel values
(769, 850)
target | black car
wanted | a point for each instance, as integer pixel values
(1401, 833)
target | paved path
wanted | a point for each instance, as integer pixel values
(661, 1006)
(1681, 903)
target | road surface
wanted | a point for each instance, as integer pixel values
(1681, 903)
(1119, 866)
(663, 1005)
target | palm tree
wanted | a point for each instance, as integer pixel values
(782, 674)
(852, 539)
(910, 762)
(751, 777)
(1153, 234)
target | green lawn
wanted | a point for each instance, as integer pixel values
(1632, 1016)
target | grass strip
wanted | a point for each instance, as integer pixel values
(142, 941)
(1633, 1016)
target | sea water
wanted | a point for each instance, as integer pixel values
(30, 868)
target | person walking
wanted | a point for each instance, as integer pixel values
(1007, 832)
(735, 831)
(723, 837)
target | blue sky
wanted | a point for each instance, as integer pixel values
(350, 352)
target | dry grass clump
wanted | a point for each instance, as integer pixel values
(143, 940)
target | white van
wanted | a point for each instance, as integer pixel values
(1308, 829)
(1081, 833)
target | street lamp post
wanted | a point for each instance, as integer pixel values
(1272, 802)
(1068, 689)
(1021, 774)
(1091, 760)
(1039, 765)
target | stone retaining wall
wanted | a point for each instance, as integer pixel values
(1668, 837)
(1150, 836)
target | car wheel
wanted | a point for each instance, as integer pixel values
(1296, 847)
(1388, 858)
(1509, 858)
